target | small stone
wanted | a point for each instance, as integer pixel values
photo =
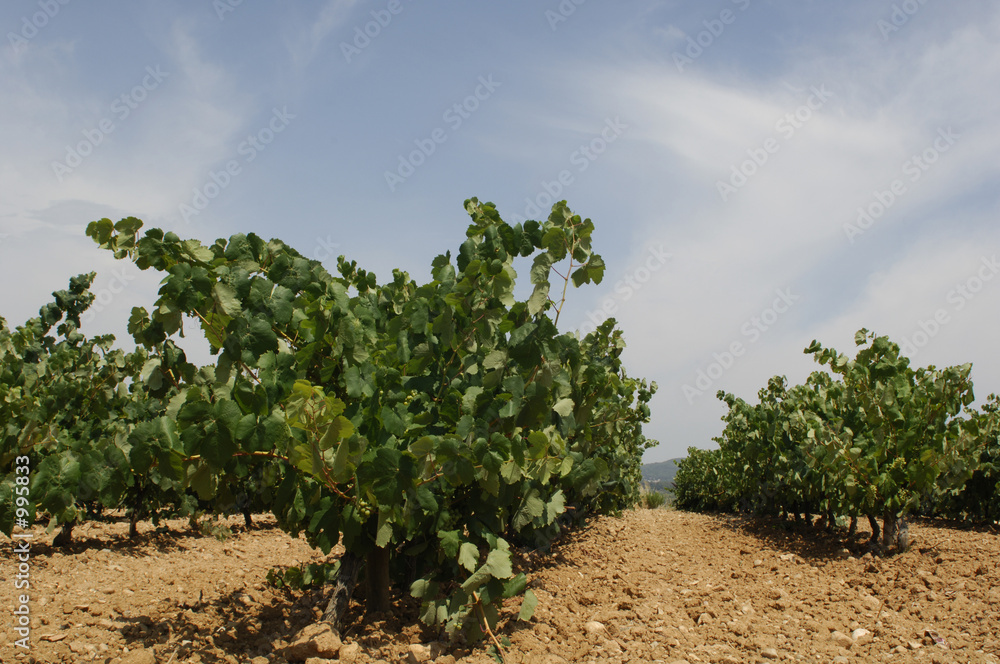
(317, 640)
(915, 645)
(840, 659)
(349, 653)
(593, 627)
(861, 636)
(417, 653)
(704, 619)
(769, 653)
(842, 640)
(259, 660)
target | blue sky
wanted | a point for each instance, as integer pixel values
(760, 174)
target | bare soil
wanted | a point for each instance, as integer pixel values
(651, 586)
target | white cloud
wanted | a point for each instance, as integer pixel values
(308, 42)
(785, 226)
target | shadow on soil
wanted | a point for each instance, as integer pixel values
(162, 539)
(818, 544)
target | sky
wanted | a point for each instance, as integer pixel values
(760, 173)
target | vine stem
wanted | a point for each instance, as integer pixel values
(486, 624)
(562, 301)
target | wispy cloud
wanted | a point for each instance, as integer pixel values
(309, 40)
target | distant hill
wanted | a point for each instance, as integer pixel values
(660, 475)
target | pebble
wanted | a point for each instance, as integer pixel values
(842, 640)
(349, 653)
(417, 653)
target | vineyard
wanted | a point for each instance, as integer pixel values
(426, 445)
(428, 429)
(871, 438)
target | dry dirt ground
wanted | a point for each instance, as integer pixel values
(652, 586)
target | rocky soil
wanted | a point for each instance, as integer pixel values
(652, 586)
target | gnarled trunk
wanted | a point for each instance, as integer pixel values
(895, 532)
(873, 522)
(376, 585)
(347, 580)
(65, 536)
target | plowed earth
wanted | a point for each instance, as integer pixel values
(652, 586)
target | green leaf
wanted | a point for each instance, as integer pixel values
(539, 299)
(540, 269)
(528, 606)
(226, 299)
(468, 556)
(531, 508)
(426, 499)
(496, 359)
(384, 534)
(564, 407)
(555, 507)
(497, 566)
(515, 586)
(339, 429)
(450, 542)
(204, 482)
(423, 588)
